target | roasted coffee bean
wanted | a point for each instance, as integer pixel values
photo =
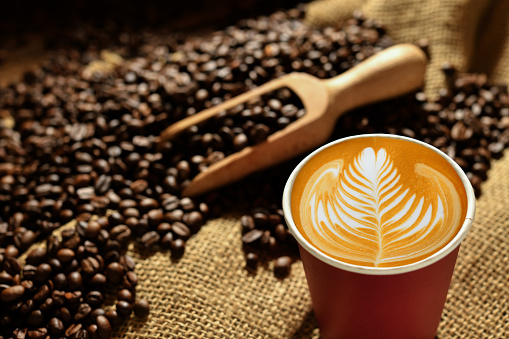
(163, 228)
(131, 212)
(178, 247)
(55, 264)
(114, 273)
(60, 281)
(6, 278)
(113, 317)
(181, 230)
(120, 233)
(240, 141)
(35, 319)
(92, 331)
(35, 257)
(73, 330)
(94, 299)
(82, 312)
(252, 260)
(148, 204)
(247, 223)
(43, 293)
(74, 281)
(150, 239)
(130, 280)
(127, 262)
(98, 282)
(104, 329)
(29, 272)
(282, 266)
(64, 315)
(42, 273)
(125, 295)
(55, 327)
(11, 251)
(65, 255)
(124, 309)
(141, 308)
(115, 218)
(187, 204)
(28, 285)
(39, 333)
(252, 237)
(71, 267)
(194, 220)
(52, 245)
(12, 293)
(155, 217)
(27, 307)
(113, 245)
(92, 229)
(261, 219)
(280, 232)
(166, 240)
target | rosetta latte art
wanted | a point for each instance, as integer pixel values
(367, 213)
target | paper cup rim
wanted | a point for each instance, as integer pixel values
(451, 245)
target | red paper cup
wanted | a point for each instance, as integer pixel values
(352, 301)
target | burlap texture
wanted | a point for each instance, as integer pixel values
(469, 34)
(209, 294)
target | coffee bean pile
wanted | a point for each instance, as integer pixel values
(61, 289)
(85, 143)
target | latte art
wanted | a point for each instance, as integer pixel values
(376, 209)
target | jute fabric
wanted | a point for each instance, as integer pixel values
(209, 294)
(469, 34)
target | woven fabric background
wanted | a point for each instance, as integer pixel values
(469, 34)
(209, 294)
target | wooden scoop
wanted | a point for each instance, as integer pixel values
(389, 73)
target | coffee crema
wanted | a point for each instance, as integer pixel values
(378, 201)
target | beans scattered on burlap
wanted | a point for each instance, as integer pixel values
(85, 142)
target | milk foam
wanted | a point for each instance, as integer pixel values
(369, 212)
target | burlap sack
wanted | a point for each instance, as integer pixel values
(470, 34)
(208, 294)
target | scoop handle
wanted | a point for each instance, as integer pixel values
(387, 74)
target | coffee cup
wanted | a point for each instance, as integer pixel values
(379, 220)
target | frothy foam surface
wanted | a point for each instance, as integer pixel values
(378, 201)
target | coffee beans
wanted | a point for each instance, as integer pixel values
(64, 295)
(141, 308)
(282, 266)
(85, 143)
(265, 235)
(12, 293)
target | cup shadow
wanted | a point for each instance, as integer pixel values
(308, 328)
